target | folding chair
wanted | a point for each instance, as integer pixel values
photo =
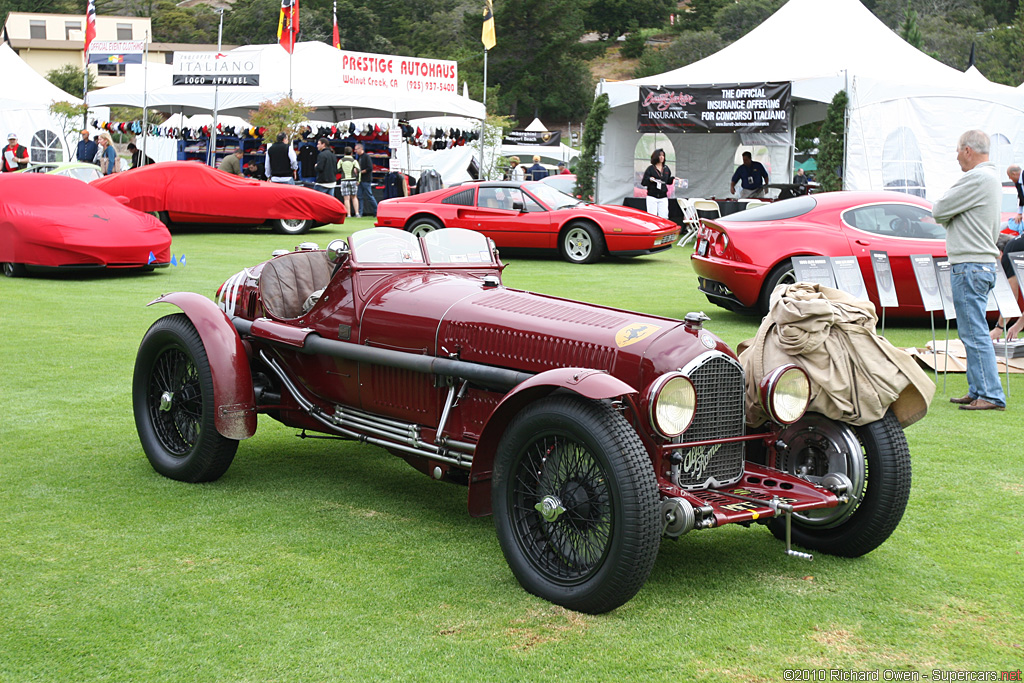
(691, 221)
(708, 206)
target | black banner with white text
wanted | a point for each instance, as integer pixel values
(737, 108)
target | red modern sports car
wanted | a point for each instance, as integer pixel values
(742, 257)
(191, 192)
(532, 215)
(58, 222)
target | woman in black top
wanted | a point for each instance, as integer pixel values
(657, 179)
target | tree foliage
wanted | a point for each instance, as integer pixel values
(281, 116)
(70, 79)
(69, 116)
(612, 18)
(832, 142)
(735, 20)
(593, 131)
(689, 47)
(909, 30)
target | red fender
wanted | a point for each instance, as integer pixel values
(588, 383)
(233, 399)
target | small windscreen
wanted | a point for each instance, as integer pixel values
(385, 245)
(455, 245)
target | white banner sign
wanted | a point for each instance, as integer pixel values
(399, 74)
(216, 68)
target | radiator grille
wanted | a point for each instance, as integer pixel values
(718, 380)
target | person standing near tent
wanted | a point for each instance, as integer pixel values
(516, 170)
(232, 163)
(537, 171)
(350, 181)
(969, 211)
(281, 163)
(657, 179)
(137, 159)
(15, 155)
(326, 167)
(752, 176)
(86, 152)
(107, 154)
(365, 194)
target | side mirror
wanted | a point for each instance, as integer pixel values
(338, 252)
(517, 206)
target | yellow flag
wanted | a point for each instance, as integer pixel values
(487, 38)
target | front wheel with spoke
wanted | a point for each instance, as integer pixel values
(576, 504)
(172, 396)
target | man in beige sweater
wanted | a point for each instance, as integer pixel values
(970, 213)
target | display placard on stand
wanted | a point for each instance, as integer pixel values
(883, 280)
(928, 286)
(816, 269)
(943, 273)
(849, 279)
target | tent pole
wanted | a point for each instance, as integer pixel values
(145, 100)
(216, 96)
(846, 132)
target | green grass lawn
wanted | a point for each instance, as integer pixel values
(323, 561)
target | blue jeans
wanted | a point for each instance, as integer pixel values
(971, 284)
(367, 202)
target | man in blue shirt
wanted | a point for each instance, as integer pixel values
(752, 176)
(87, 149)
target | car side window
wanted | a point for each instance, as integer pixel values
(498, 197)
(895, 220)
(530, 205)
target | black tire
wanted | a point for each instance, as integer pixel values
(162, 217)
(291, 226)
(581, 243)
(422, 225)
(598, 552)
(782, 274)
(875, 457)
(15, 269)
(172, 395)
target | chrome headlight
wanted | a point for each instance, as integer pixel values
(672, 402)
(785, 393)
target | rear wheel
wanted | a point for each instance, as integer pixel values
(172, 396)
(291, 226)
(581, 243)
(782, 274)
(15, 269)
(874, 457)
(162, 217)
(423, 225)
(576, 504)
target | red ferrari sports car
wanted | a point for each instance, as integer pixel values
(59, 222)
(532, 215)
(741, 258)
(191, 192)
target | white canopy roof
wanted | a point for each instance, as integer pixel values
(306, 74)
(25, 106)
(906, 109)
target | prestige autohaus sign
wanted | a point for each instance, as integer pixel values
(735, 108)
(216, 68)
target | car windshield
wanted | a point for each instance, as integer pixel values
(385, 245)
(84, 173)
(455, 245)
(549, 196)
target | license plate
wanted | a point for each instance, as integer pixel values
(702, 247)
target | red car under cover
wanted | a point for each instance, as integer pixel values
(195, 191)
(51, 220)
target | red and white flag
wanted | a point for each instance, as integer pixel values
(335, 40)
(90, 24)
(288, 25)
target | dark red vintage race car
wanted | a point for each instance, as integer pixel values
(589, 432)
(189, 192)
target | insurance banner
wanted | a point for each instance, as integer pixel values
(738, 108)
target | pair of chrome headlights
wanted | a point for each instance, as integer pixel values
(672, 399)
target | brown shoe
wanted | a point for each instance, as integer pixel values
(981, 404)
(963, 400)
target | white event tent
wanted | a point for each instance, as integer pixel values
(905, 115)
(25, 109)
(310, 75)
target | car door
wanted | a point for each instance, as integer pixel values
(512, 218)
(900, 230)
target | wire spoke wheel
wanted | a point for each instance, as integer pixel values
(575, 503)
(175, 403)
(573, 545)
